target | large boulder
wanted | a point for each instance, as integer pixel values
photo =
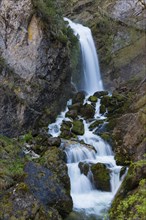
(101, 177)
(48, 188)
(93, 99)
(71, 114)
(66, 130)
(20, 203)
(87, 111)
(79, 97)
(78, 127)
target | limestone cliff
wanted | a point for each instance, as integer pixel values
(35, 67)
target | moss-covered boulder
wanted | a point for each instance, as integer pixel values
(71, 114)
(79, 97)
(117, 103)
(93, 98)
(100, 94)
(78, 127)
(102, 109)
(130, 202)
(54, 159)
(76, 106)
(66, 125)
(66, 130)
(105, 100)
(87, 111)
(101, 177)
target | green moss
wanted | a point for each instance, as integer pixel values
(49, 9)
(130, 201)
(102, 109)
(15, 169)
(93, 99)
(78, 127)
(11, 165)
(101, 176)
(22, 187)
(105, 136)
(133, 207)
(27, 137)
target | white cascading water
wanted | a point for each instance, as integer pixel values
(91, 81)
(89, 201)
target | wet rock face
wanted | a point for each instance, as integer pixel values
(119, 32)
(35, 69)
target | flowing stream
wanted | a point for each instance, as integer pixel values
(89, 203)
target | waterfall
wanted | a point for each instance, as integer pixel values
(92, 80)
(88, 201)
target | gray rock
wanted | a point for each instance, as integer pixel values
(35, 78)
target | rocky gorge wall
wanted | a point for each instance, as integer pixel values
(35, 64)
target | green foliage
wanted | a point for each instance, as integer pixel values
(15, 169)
(133, 207)
(11, 165)
(130, 203)
(27, 137)
(48, 9)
